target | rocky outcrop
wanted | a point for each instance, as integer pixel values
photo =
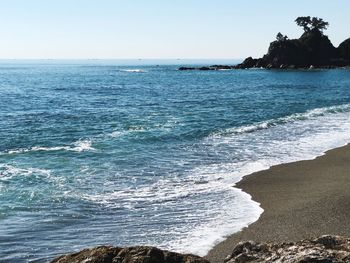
(312, 49)
(213, 67)
(139, 254)
(344, 49)
(326, 249)
(252, 63)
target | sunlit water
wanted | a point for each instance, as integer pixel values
(124, 155)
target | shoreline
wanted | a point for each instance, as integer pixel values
(302, 199)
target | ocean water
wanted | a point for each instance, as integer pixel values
(102, 153)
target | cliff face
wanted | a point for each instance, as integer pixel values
(311, 49)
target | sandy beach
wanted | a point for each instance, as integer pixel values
(300, 200)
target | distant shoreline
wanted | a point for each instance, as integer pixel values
(302, 199)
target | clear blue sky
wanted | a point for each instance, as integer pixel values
(157, 28)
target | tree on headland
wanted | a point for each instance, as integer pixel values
(319, 24)
(281, 38)
(310, 24)
(304, 22)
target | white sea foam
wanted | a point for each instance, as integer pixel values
(7, 172)
(78, 146)
(164, 127)
(201, 208)
(284, 120)
(83, 145)
(208, 223)
(134, 70)
(116, 134)
(299, 137)
(220, 209)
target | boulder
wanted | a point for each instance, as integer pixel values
(140, 254)
(326, 249)
(187, 68)
(221, 67)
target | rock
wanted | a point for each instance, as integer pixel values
(260, 63)
(99, 254)
(213, 67)
(221, 67)
(311, 49)
(186, 68)
(248, 63)
(290, 52)
(318, 47)
(344, 49)
(325, 249)
(252, 63)
(141, 254)
(329, 242)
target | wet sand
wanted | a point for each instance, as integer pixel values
(300, 200)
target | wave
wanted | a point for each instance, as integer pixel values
(116, 134)
(7, 171)
(199, 208)
(165, 127)
(78, 146)
(178, 195)
(134, 70)
(284, 120)
(302, 136)
(222, 210)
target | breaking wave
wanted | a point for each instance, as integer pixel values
(79, 146)
(134, 70)
(284, 120)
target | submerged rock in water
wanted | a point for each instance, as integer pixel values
(212, 67)
(326, 249)
(139, 254)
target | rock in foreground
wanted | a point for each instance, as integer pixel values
(140, 254)
(326, 249)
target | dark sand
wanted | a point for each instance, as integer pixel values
(301, 200)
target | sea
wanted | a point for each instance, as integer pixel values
(122, 153)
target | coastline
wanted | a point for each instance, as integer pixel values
(302, 199)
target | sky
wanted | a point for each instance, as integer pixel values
(157, 29)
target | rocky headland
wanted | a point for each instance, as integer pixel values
(325, 249)
(312, 50)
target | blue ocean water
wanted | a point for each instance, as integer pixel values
(102, 153)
